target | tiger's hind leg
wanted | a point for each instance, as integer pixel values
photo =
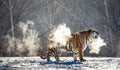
(50, 52)
(57, 54)
(57, 57)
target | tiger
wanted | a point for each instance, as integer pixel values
(76, 45)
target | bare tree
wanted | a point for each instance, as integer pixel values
(108, 20)
(10, 8)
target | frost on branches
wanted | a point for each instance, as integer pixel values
(29, 44)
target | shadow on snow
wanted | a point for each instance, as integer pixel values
(62, 63)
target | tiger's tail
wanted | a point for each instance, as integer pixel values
(43, 57)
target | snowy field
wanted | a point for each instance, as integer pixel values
(35, 63)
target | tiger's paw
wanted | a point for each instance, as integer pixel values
(82, 60)
(76, 60)
(59, 61)
(49, 60)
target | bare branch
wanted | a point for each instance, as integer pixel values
(108, 20)
(50, 14)
(13, 4)
(98, 7)
(5, 4)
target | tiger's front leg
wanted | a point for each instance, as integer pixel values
(81, 54)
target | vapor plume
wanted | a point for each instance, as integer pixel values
(60, 35)
(96, 45)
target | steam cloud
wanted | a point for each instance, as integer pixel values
(29, 44)
(60, 35)
(96, 45)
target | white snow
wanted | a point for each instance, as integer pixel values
(34, 63)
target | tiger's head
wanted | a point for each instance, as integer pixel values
(94, 33)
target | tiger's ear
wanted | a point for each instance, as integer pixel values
(90, 30)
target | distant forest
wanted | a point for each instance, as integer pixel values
(26, 24)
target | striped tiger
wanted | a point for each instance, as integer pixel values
(76, 44)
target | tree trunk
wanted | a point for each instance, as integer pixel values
(12, 23)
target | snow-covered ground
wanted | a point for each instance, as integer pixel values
(34, 63)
